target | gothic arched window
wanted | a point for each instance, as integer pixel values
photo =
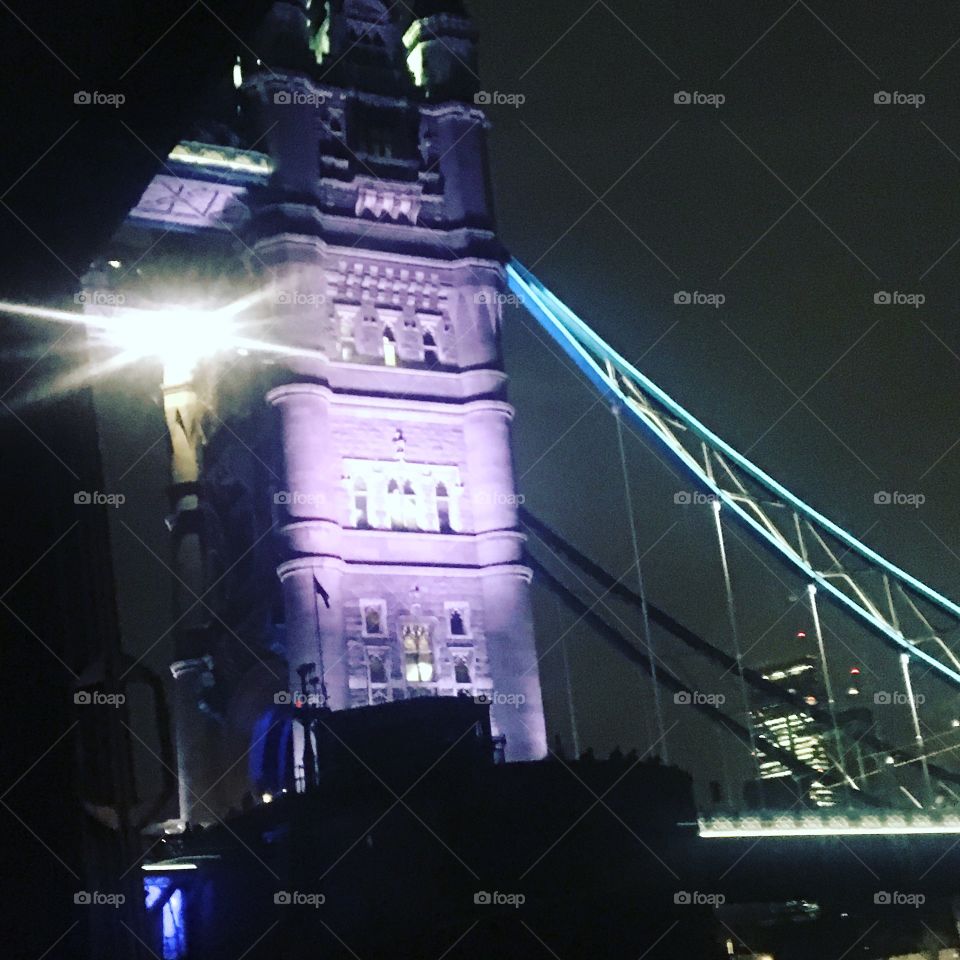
(361, 517)
(417, 654)
(395, 505)
(443, 508)
(410, 521)
(389, 348)
(461, 670)
(378, 668)
(430, 354)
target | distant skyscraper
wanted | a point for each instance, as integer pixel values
(794, 730)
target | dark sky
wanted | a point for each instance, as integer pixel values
(797, 199)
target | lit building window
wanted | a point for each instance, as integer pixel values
(389, 349)
(409, 507)
(443, 508)
(360, 502)
(400, 495)
(417, 654)
(395, 504)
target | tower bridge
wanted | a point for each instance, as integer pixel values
(345, 508)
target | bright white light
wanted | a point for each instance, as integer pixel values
(180, 337)
(168, 867)
(267, 798)
(833, 825)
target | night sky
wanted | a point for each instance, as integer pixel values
(797, 199)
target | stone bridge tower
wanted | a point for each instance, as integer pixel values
(339, 184)
(402, 564)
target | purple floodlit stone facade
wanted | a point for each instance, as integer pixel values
(400, 509)
(348, 186)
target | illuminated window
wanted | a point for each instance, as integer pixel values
(389, 348)
(395, 504)
(409, 507)
(360, 500)
(443, 508)
(417, 654)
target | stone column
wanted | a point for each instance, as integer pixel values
(517, 708)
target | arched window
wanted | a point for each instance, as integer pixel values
(443, 508)
(457, 627)
(378, 668)
(417, 654)
(461, 670)
(389, 348)
(430, 354)
(395, 505)
(410, 507)
(361, 518)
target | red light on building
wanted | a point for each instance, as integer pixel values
(854, 671)
(801, 635)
